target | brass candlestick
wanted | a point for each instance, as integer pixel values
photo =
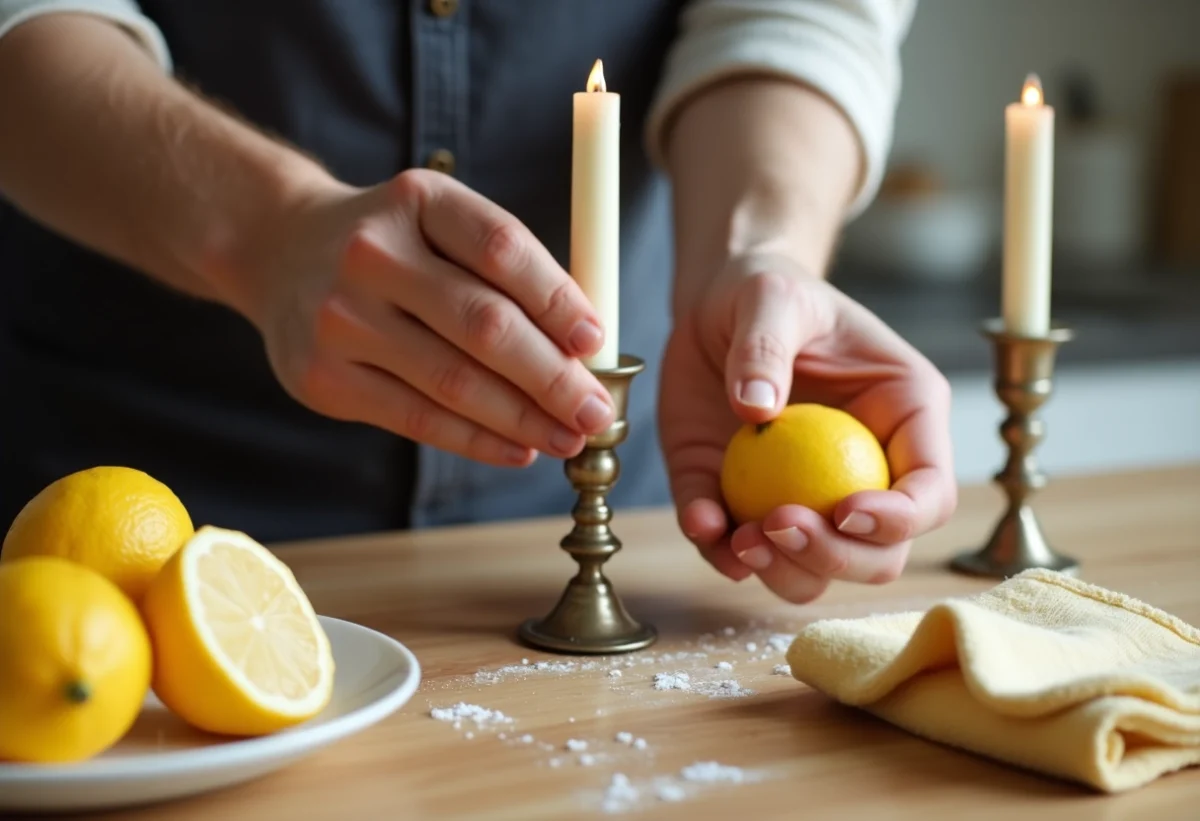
(1024, 381)
(589, 617)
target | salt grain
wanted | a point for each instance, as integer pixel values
(672, 681)
(670, 792)
(751, 647)
(527, 739)
(571, 719)
(728, 631)
(724, 665)
(624, 738)
(782, 670)
(576, 745)
(639, 744)
(524, 661)
(614, 673)
(781, 642)
(470, 735)
(587, 760)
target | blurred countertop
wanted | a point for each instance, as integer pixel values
(1119, 320)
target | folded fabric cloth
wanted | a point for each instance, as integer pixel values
(1043, 671)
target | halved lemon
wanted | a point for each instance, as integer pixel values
(238, 649)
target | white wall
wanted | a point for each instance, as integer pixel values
(1100, 418)
(964, 60)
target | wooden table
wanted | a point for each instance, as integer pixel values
(455, 596)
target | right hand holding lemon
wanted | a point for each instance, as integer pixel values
(808, 501)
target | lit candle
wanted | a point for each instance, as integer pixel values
(1028, 192)
(595, 207)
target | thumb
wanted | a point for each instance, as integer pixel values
(767, 335)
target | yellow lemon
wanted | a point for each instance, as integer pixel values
(810, 455)
(238, 647)
(117, 521)
(75, 661)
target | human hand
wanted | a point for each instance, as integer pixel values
(422, 308)
(763, 334)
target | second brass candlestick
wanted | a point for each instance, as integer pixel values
(589, 616)
(1024, 381)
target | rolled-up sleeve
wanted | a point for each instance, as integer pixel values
(125, 13)
(849, 50)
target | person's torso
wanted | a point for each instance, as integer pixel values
(369, 88)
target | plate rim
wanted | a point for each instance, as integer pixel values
(232, 753)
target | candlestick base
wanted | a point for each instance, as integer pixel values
(1024, 381)
(589, 617)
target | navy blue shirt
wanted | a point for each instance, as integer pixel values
(100, 365)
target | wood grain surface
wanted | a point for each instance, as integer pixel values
(455, 597)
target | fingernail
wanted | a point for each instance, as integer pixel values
(565, 440)
(595, 415)
(858, 524)
(792, 539)
(758, 558)
(517, 454)
(585, 337)
(757, 393)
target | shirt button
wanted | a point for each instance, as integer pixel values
(443, 8)
(441, 160)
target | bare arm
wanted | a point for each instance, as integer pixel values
(759, 165)
(100, 145)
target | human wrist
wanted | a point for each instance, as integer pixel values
(240, 251)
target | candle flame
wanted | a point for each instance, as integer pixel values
(595, 81)
(1031, 94)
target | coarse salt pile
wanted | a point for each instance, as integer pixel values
(678, 680)
(782, 670)
(710, 772)
(726, 688)
(462, 711)
(620, 795)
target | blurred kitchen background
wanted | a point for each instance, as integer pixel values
(1124, 79)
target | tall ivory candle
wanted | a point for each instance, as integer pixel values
(595, 207)
(1028, 218)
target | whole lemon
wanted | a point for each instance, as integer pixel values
(810, 455)
(75, 661)
(120, 522)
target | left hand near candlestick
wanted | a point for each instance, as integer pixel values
(589, 617)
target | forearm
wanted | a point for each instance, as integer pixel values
(98, 144)
(758, 165)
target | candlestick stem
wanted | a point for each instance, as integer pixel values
(1024, 382)
(589, 616)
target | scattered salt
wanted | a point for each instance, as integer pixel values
(472, 712)
(672, 681)
(781, 642)
(524, 661)
(556, 762)
(575, 745)
(724, 665)
(670, 792)
(571, 719)
(587, 760)
(751, 647)
(470, 735)
(503, 736)
(782, 670)
(527, 739)
(728, 631)
(726, 688)
(620, 794)
(639, 744)
(710, 772)
(624, 738)
(614, 673)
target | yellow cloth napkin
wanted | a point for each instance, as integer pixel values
(1042, 671)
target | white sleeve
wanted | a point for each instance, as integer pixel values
(849, 50)
(124, 13)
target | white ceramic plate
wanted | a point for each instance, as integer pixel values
(162, 758)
